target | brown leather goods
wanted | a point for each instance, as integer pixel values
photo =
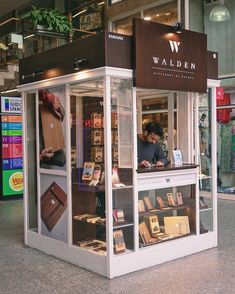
(145, 235)
(176, 225)
(52, 132)
(53, 205)
(118, 242)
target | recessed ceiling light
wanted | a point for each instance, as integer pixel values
(147, 18)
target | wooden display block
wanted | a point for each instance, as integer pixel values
(97, 154)
(52, 131)
(96, 120)
(97, 138)
(115, 153)
(176, 225)
(115, 137)
(114, 120)
(53, 205)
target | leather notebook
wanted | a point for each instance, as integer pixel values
(53, 205)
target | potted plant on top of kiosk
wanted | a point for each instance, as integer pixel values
(48, 20)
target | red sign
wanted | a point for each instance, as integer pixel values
(219, 93)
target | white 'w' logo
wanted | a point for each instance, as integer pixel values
(174, 46)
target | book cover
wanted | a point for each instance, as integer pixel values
(88, 170)
(119, 242)
(170, 199)
(141, 206)
(179, 198)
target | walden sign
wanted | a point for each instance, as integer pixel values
(166, 60)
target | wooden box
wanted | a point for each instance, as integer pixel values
(52, 131)
(53, 205)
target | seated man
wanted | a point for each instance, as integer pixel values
(148, 148)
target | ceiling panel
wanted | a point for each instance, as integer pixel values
(9, 5)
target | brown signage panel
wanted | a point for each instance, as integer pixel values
(212, 65)
(167, 60)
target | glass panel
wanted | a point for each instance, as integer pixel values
(166, 214)
(205, 196)
(122, 162)
(87, 164)
(156, 109)
(31, 157)
(166, 14)
(124, 25)
(52, 156)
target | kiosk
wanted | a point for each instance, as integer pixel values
(86, 200)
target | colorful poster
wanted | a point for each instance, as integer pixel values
(11, 118)
(11, 150)
(12, 182)
(11, 126)
(12, 163)
(11, 140)
(11, 132)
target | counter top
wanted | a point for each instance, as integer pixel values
(166, 168)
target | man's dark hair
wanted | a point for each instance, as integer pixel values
(154, 127)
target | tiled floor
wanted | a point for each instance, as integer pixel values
(25, 270)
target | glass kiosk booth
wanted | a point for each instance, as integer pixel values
(86, 200)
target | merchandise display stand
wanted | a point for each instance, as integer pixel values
(87, 201)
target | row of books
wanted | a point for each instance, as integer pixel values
(146, 205)
(99, 247)
(118, 217)
(174, 226)
(92, 174)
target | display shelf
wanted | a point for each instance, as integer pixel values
(206, 209)
(123, 187)
(161, 241)
(169, 209)
(127, 251)
(118, 225)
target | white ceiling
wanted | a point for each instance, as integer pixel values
(9, 5)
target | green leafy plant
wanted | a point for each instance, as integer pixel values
(52, 19)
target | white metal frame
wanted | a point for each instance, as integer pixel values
(113, 265)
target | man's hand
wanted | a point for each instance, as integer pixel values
(46, 153)
(145, 163)
(159, 163)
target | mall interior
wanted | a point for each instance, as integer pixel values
(84, 84)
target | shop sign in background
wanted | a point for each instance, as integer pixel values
(12, 181)
(11, 105)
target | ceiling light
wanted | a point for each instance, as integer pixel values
(147, 18)
(219, 13)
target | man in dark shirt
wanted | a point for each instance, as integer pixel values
(149, 150)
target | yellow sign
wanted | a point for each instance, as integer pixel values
(16, 181)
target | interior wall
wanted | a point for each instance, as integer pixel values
(196, 19)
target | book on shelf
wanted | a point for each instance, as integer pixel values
(88, 169)
(141, 206)
(152, 224)
(115, 178)
(119, 242)
(118, 215)
(171, 200)
(96, 120)
(97, 154)
(97, 137)
(149, 205)
(90, 218)
(179, 198)
(162, 203)
(95, 177)
(145, 235)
